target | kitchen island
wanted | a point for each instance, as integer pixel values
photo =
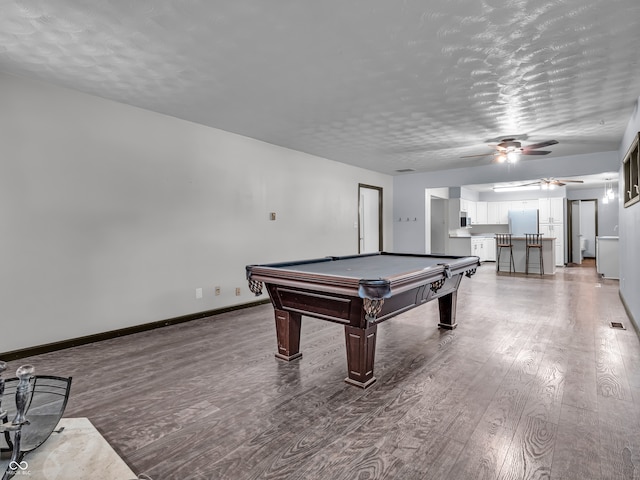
(520, 253)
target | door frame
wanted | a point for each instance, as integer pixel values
(570, 224)
(380, 229)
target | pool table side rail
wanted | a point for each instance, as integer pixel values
(339, 284)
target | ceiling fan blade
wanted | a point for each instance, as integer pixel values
(481, 155)
(540, 145)
(571, 181)
(535, 152)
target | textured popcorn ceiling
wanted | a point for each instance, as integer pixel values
(382, 84)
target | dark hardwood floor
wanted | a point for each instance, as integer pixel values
(534, 383)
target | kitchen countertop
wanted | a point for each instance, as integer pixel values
(493, 235)
(543, 238)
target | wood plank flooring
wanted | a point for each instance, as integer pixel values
(534, 383)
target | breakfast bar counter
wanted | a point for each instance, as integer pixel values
(520, 253)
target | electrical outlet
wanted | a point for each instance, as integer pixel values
(217, 290)
(198, 293)
(237, 291)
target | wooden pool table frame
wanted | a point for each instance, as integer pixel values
(357, 303)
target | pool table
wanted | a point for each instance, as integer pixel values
(357, 291)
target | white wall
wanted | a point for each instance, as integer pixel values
(629, 231)
(409, 190)
(112, 216)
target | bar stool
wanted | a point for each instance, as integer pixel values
(503, 240)
(533, 240)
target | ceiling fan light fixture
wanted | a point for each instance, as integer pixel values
(512, 156)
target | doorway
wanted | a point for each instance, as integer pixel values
(583, 225)
(438, 226)
(369, 219)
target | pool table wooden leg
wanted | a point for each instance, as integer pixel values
(361, 351)
(288, 333)
(447, 307)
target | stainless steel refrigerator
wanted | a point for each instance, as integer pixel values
(523, 221)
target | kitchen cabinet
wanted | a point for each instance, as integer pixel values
(503, 212)
(481, 217)
(472, 211)
(457, 208)
(492, 213)
(498, 213)
(468, 207)
(477, 249)
(551, 210)
(554, 230)
(551, 218)
(490, 249)
(483, 247)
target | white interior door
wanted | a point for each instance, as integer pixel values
(576, 232)
(370, 219)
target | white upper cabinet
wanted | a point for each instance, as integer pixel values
(498, 212)
(481, 217)
(472, 211)
(503, 212)
(551, 210)
(493, 212)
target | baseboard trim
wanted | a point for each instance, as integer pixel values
(629, 314)
(98, 337)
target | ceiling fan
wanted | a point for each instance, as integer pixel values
(549, 183)
(510, 149)
(543, 184)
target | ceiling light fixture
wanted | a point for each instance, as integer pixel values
(516, 188)
(609, 194)
(513, 156)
